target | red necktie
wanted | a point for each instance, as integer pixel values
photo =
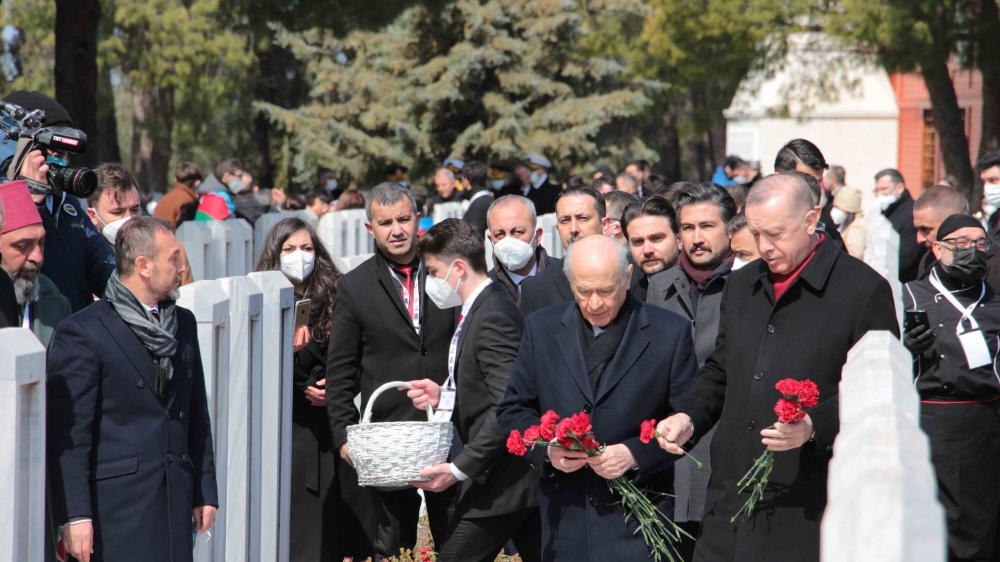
(407, 272)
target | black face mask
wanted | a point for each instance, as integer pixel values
(968, 266)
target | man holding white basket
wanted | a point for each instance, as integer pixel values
(497, 492)
(385, 328)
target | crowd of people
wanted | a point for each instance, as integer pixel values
(680, 302)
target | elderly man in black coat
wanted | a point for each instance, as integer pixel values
(129, 439)
(620, 361)
(798, 311)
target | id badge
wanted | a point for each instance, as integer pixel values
(977, 353)
(446, 404)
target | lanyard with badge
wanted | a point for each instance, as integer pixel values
(977, 353)
(407, 296)
(446, 404)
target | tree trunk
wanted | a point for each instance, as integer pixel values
(142, 144)
(162, 141)
(694, 149)
(76, 68)
(107, 124)
(950, 125)
(990, 68)
(670, 147)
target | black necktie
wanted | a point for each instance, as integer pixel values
(156, 315)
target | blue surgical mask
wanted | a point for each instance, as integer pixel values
(57, 160)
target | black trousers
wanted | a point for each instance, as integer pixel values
(480, 539)
(397, 514)
(965, 451)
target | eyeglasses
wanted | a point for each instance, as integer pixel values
(963, 243)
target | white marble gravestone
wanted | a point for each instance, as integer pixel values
(246, 304)
(277, 326)
(881, 493)
(453, 210)
(240, 260)
(197, 239)
(882, 254)
(266, 222)
(344, 233)
(210, 306)
(550, 236)
(22, 446)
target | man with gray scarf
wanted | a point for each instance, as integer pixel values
(129, 441)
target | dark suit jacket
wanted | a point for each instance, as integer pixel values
(119, 454)
(10, 311)
(48, 311)
(581, 519)
(900, 214)
(487, 348)
(544, 197)
(551, 287)
(373, 341)
(477, 211)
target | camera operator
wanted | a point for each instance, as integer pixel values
(955, 355)
(77, 259)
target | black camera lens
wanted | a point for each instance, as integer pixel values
(75, 180)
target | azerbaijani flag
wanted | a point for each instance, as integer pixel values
(213, 207)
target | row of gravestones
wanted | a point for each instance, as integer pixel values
(232, 248)
(882, 498)
(245, 327)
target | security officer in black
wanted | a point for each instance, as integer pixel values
(955, 366)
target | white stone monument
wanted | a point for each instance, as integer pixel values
(240, 260)
(277, 327)
(197, 239)
(550, 236)
(22, 446)
(881, 492)
(210, 306)
(344, 233)
(453, 210)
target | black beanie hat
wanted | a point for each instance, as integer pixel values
(956, 222)
(55, 114)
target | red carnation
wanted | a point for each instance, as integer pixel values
(808, 394)
(575, 426)
(788, 411)
(515, 444)
(548, 424)
(533, 434)
(425, 554)
(648, 431)
(788, 387)
(589, 443)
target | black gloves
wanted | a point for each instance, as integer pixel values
(919, 339)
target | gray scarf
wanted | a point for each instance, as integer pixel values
(157, 336)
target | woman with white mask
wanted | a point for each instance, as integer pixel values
(293, 248)
(850, 221)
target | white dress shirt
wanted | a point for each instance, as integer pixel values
(518, 279)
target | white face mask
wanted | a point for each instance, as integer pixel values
(498, 184)
(537, 177)
(738, 264)
(513, 253)
(989, 209)
(838, 216)
(884, 201)
(441, 292)
(110, 230)
(991, 191)
(235, 186)
(298, 265)
(331, 185)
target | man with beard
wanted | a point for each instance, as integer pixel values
(22, 252)
(693, 289)
(517, 243)
(771, 333)
(129, 438)
(650, 227)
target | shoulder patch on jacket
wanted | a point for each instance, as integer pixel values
(70, 210)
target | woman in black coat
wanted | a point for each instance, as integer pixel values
(325, 525)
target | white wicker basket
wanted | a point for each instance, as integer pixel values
(393, 453)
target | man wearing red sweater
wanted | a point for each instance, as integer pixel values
(795, 313)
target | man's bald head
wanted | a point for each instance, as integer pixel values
(789, 187)
(598, 271)
(932, 207)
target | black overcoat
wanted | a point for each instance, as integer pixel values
(581, 519)
(133, 462)
(834, 302)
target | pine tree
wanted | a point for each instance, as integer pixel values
(491, 80)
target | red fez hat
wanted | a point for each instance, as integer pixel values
(19, 209)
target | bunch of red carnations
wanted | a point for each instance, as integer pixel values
(647, 432)
(575, 433)
(797, 396)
